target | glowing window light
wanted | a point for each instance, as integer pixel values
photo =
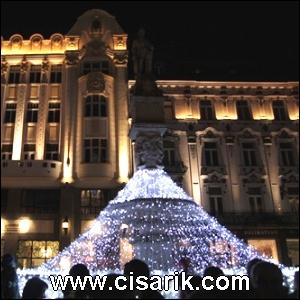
(24, 225)
(3, 224)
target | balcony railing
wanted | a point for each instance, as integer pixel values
(43, 168)
(259, 219)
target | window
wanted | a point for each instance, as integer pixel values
(10, 113)
(249, 154)
(32, 254)
(32, 112)
(256, 204)
(54, 112)
(169, 153)
(255, 199)
(6, 151)
(210, 154)
(4, 198)
(206, 110)
(35, 74)
(279, 111)
(243, 111)
(266, 247)
(168, 110)
(2, 247)
(56, 74)
(293, 251)
(40, 201)
(287, 158)
(92, 202)
(293, 198)
(215, 200)
(51, 152)
(95, 150)
(95, 106)
(29, 151)
(101, 66)
(14, 74)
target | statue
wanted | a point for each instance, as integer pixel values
(142, 53)
(149, 150)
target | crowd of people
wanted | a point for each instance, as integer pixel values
(266, 282)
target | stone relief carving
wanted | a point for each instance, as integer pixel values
(95, 82)
(45, 69)
(23, 69)
(120, 58)
(149, 150)
(215, 177)
(4, 69)
(72, 57)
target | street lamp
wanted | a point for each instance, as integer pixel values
(65, 225)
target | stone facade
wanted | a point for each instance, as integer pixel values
(68, 116)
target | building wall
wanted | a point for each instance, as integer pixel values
(78, 182)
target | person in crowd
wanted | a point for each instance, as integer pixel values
(110, 291)
(137, 268)
(9, 278)
(251, 264)
(267, 281)
(35, 288)
(249, 268)
(77, 270)
(213, 271)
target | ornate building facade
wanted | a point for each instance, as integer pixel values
(66, 115)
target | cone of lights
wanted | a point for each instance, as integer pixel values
(154, 220)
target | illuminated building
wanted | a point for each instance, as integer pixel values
(66, 151)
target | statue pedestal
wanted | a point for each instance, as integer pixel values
(147, 109)
(147, 116)
(147, 129)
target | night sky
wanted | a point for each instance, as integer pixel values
(201, 40)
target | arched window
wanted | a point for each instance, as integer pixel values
(95, 106)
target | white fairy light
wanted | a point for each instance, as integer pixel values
(162, 225)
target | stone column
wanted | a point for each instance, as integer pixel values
(4, 68)
(20, 113)
(43, 114)
(184, 153)
(194, 168)
(232, 185)
(19, 123)
(69, 114)
(121, 110)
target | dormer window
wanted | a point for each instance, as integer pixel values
(96, 26)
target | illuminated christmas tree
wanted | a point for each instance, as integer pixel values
(154, 220)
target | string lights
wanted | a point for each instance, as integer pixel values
(154, 220)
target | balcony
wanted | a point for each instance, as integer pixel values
(259, 219)
(177, 169)
(31, 168)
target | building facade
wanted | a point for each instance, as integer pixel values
(66, 114)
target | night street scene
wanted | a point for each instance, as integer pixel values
(149, 149)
